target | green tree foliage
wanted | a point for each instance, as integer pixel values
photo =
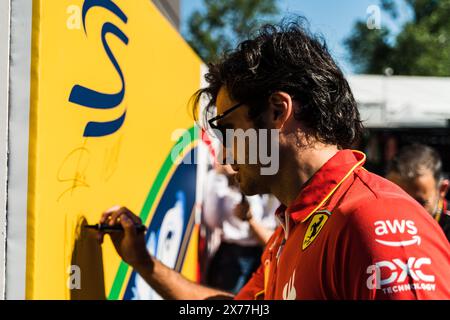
(422, 47)
(221, 24)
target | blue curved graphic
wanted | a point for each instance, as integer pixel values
(90, 98)
(106, 4)
(101, 129)
(93, 99)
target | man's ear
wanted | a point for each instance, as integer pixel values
(280, 105)
(443, 188)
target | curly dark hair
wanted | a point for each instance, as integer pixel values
(288, 57)
(411, 159)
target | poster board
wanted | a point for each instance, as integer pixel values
(109, 124)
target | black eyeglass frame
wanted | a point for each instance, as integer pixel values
(223, 115)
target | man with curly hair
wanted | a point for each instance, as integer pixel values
(417, 169)
(345, 233)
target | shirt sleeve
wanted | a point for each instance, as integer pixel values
(387, 251)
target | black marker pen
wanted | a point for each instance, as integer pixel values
(116, 228)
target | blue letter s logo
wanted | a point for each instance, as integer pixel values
(93, 99)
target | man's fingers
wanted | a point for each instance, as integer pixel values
(128, 225)
(119, 215)
(104, 218)
(107, 214)
(115, 216)
(134, 218)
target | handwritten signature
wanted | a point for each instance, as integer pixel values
(73, 170)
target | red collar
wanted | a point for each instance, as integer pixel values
(323, 184)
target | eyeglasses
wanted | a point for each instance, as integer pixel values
(213, 123)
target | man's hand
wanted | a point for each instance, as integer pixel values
(129, 244)
(242, 211)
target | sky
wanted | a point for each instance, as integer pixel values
(334, 19)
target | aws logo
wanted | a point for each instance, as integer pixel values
(401, 228)
(314, 228)
(91, 98)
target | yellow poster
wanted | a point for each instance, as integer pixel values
(110, 85)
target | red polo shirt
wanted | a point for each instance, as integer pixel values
(351, 234)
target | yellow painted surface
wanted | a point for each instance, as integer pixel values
(72, 178)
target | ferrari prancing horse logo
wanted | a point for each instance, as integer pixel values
(314, 228)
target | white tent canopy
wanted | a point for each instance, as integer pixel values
(399, 101)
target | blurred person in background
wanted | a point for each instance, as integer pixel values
(245, 225)
(417, 169)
